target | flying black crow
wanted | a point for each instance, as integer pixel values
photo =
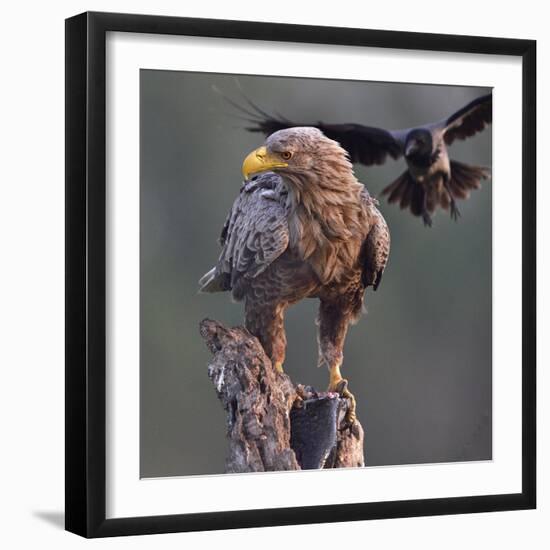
(432, 179)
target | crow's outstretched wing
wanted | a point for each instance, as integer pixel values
(370, 145)
(254, 235)
(469, 120)
(365, 144)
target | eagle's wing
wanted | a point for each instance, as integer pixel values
(254, 235)
(376, 246)
(471, 119)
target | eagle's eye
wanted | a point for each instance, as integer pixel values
(286, 155)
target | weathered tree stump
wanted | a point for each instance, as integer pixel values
(271, 424)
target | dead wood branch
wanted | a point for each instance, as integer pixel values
(271, 424)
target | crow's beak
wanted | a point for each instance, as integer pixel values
(411, 148)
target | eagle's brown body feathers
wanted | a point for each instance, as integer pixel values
(310, 230)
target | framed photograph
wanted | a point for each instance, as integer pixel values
(246, 202)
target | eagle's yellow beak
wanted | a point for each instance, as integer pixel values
(260, 161)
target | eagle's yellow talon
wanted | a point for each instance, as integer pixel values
(339, 385)
(298, 402)
(350, 415)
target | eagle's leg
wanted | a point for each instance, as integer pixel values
(266, 322)
(333, 323)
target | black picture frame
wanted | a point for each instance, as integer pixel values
(86, 277)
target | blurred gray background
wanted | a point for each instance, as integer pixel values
(419, 363)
